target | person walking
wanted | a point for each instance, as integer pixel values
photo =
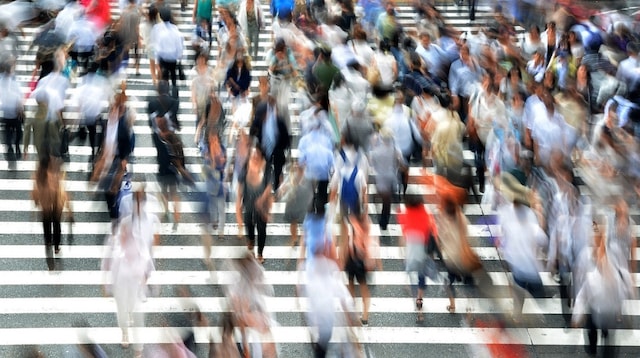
(253, 202)
(168, 44)
(51, 197)
(12, 108)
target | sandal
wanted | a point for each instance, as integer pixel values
(260, 259)
(451, 309)
(419, 303)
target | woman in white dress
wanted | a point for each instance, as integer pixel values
(129, 265)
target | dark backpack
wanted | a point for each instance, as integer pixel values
(349, 195)
(176, 149)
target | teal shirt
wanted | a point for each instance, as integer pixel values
(204, 9)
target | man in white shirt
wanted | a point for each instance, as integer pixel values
(432, 55)
(169, 45)
(83, 35)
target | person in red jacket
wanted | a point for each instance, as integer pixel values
(419, 231)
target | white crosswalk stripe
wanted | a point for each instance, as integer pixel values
(39, 307)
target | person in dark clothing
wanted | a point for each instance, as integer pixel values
(238, 78)
(254, 200)
(114, 154)
(272, 135)
(164, 105)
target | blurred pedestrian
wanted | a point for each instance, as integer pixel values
(387, 161)
(253, 201)
(419, 233)
(51, 197)
(92, 96)
(247, 302)
(110, 167)
(12, 108)
(357, 258)
(297, 194)
(272, 134)
(168, 44)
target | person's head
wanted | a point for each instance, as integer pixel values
(202, 57)
(416, 61)
(359, 33)
(152, 14)
(549, 80)
(534, 32)
(385, 46)
(256, 157)
(517, 100)
(390, 7)
(165, 14)
(425, 39)
(413, 201)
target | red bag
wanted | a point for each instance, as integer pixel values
(33, 83)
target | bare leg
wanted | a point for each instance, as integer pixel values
(366, 300)
(293, 228)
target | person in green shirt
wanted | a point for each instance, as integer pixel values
(324, 71)
(202, 13)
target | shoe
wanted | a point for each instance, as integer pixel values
(451, 309)
(57, 251)
(419, 303)
(260, 259)
(364, 322)
(250, 246)
(420, 318)
(125, 340)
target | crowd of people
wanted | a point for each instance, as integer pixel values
(551, 116)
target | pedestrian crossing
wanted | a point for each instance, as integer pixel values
(42, 307)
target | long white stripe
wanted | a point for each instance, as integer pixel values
(196, 252)
(385, 278)
(98, 206)
(371, 335)
(57, 305)
(166, 229)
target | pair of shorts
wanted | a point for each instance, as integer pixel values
(355, 268)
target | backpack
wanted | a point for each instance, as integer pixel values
(176, 149)
(349, 194)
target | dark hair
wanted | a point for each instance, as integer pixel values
(280, 45)
(153, 13)
(413, 201)
(385, 46)
(165, 14)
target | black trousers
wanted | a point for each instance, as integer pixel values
(81, 58)
(385, 215)
(253, 220)
(320, 196)
(52, 228)
(12, 134)
(169, 72)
